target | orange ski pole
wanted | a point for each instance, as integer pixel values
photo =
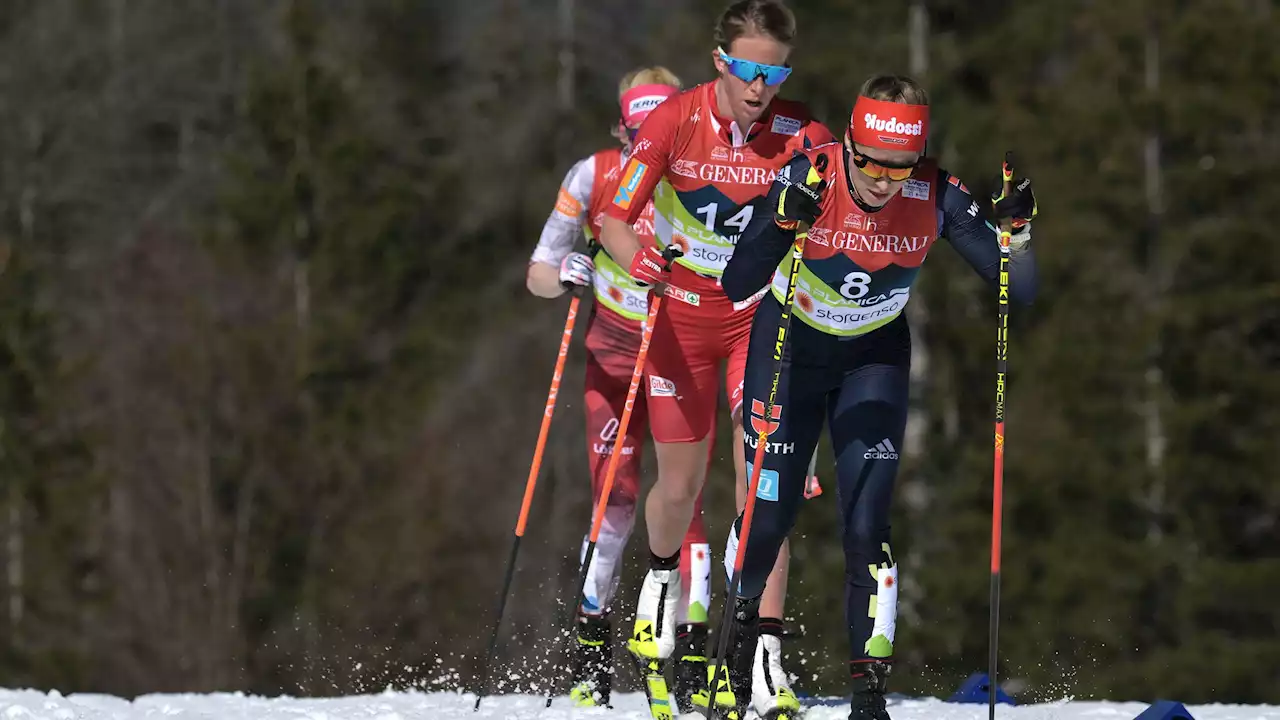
(530, 484)
(597, 515)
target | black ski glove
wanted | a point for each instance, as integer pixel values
(1019, 206)
(799, 202)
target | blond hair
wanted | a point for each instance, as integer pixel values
(656, 75)
(895, 88)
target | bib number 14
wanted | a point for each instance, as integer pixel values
(856, 284)
(739, 221)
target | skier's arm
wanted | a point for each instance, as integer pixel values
(978, 241)
(561, 231)
(543, 280)
(764, 243)
(650, 157)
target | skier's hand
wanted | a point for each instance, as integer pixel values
(799, 202)
(1019, 207)
(649, 267)
(576, 269)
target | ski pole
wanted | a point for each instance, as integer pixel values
(726, 620)
(530, 484)
(997, 496)
(597, 515)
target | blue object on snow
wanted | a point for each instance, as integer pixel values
(1165, 710)
(975, 690)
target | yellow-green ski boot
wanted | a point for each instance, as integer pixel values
(592, 662)
(771, 695)
(691, 665)
(653, 637)
(726, 701)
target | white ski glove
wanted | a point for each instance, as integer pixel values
(576, 269)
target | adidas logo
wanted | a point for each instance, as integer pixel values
(883, 450)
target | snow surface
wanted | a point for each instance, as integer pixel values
(34, 705)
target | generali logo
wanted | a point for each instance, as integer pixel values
(858, 221)
(859, 242)
(715, 173)
(820, 236)
(644, 225)
(685, 168)
(734, 155)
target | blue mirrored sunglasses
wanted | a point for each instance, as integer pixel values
(748, 70)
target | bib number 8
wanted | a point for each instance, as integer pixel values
(856, 284)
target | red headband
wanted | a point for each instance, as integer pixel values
(889, 125)
(641, 99)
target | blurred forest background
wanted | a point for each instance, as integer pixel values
(270, 379)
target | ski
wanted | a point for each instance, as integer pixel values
(654, 679)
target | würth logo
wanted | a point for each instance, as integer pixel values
(758, 423)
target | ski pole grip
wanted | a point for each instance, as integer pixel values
(1006, 187)
(573, 288)
(593, 247)
(670, 253)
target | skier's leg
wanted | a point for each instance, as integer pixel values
(868, 421)
(681, 384)
(793, 426)
(607, 378)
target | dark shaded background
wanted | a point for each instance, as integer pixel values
(270, 380)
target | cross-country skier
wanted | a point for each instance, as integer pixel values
(874, 205)
(703, 158)
(612, 343)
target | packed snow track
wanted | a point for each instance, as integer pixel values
(35, 705)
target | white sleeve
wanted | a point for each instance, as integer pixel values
(564, 226)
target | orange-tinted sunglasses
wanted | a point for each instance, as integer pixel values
(876, 170)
